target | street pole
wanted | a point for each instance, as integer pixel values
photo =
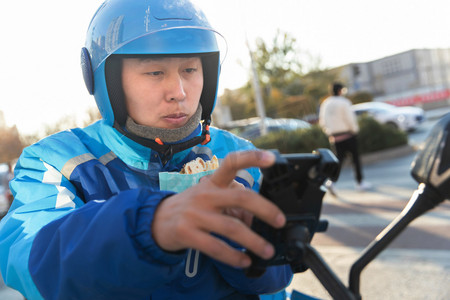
(260, 109)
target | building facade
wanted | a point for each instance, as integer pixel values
(416, 77)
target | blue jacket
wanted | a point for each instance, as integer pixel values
(79, 226)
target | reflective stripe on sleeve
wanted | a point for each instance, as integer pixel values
(80, 159)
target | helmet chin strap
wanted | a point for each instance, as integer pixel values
(164, 141)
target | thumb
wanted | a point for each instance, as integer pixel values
(238, 160)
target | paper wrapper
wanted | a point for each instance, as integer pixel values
(176, 182)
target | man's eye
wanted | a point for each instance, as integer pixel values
(190, 70)
(155, 73)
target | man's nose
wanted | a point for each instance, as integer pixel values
(175, 88)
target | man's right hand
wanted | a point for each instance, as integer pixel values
(186, 220)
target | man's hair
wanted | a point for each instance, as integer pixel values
(336, 88)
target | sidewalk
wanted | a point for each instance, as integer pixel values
(415, 266)
(436, 113)
(395, 274)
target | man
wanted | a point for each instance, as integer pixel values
(339, 122)
(89, 220)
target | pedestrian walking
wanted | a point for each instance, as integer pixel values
(339, 123)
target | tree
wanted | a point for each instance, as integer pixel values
(10, 144)
(278, 65)
(64, 123)
(279, 69)
(240, 102)
(287, 91)
(361, 97)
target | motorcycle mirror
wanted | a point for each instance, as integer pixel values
(431, 165)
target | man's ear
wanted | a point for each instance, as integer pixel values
(86, 68)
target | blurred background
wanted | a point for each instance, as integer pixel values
(298, 47)
(287, 53)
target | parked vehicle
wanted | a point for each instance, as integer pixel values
(250, 128)
(4, 205)
(406, 118)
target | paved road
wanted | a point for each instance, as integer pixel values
(415, 266)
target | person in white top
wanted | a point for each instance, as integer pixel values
(339, 123)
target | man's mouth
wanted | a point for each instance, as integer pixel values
(176, 116)
(177, 119)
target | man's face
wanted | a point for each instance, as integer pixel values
(162, 92)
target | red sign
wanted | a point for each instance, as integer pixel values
(421, 98)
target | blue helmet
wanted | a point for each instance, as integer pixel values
(145, 27)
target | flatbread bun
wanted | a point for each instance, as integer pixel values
(212, 164)
(199, 165)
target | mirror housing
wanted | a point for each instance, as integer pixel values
(431, 165)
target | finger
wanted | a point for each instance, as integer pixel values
(233, 184)
(219, 250)
(254, 203)
(241, 214)
(237, 231)
(204, 177)
(236, 161)
(236, 185)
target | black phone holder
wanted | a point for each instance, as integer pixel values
(295, 184)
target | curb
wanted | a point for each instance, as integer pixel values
(374, 157)
(382, 155)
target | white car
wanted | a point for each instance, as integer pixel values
(406, 118)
